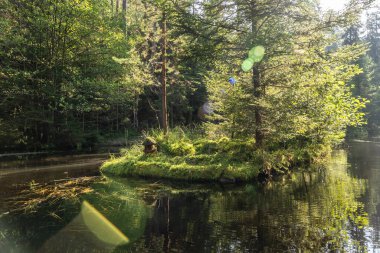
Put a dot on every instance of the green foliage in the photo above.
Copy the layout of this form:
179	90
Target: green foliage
181	148
205	146
188	156
58	81
366	84
178	158
299	89
75	72
68	68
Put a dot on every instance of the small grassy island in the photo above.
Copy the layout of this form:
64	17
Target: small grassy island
191	157
272	84
259	117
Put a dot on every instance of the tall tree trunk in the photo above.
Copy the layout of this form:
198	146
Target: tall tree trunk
125	17
163	77
135	111
257	90
97	122
117	117
117	111
171	114
117	6
83	122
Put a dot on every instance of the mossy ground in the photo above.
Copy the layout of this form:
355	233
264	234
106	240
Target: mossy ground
189	157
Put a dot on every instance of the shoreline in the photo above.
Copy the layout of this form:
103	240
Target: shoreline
203	160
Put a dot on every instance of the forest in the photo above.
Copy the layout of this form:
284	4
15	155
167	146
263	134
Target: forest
76	73
189	126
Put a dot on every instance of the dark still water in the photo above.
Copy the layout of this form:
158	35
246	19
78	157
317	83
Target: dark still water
337	209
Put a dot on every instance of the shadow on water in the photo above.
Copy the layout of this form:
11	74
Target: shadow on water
321	210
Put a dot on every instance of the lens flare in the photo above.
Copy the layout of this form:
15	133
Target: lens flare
247	65
101	227
257	53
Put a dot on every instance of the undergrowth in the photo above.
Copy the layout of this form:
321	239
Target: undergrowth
190	156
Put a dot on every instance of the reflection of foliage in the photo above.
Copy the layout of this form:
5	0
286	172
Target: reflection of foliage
48	209
39	212
121	205
309	211
364	159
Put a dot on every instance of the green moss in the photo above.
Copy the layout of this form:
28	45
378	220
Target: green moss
197	159
181	149
206	146
172	169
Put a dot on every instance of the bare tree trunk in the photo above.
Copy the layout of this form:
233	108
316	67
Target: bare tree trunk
135	111
117	6
97	122
125	17
171	114
83	121
257	90
117	117
163	77
117	111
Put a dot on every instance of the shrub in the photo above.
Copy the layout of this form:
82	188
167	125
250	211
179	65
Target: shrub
224	159
181	148
206	146
237	150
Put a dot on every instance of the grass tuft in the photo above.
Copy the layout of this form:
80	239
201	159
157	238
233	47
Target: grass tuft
188	156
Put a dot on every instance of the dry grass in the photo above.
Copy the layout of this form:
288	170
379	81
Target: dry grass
37	195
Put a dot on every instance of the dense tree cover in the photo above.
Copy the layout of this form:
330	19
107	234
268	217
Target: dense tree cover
298	91
59	83
73	71
366	84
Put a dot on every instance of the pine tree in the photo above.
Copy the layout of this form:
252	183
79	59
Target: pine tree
289	94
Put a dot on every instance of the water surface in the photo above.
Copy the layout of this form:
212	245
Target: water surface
333	209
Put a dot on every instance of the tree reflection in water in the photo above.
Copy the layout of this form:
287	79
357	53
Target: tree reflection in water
307	211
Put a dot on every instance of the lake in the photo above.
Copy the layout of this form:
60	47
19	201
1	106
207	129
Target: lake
317	210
